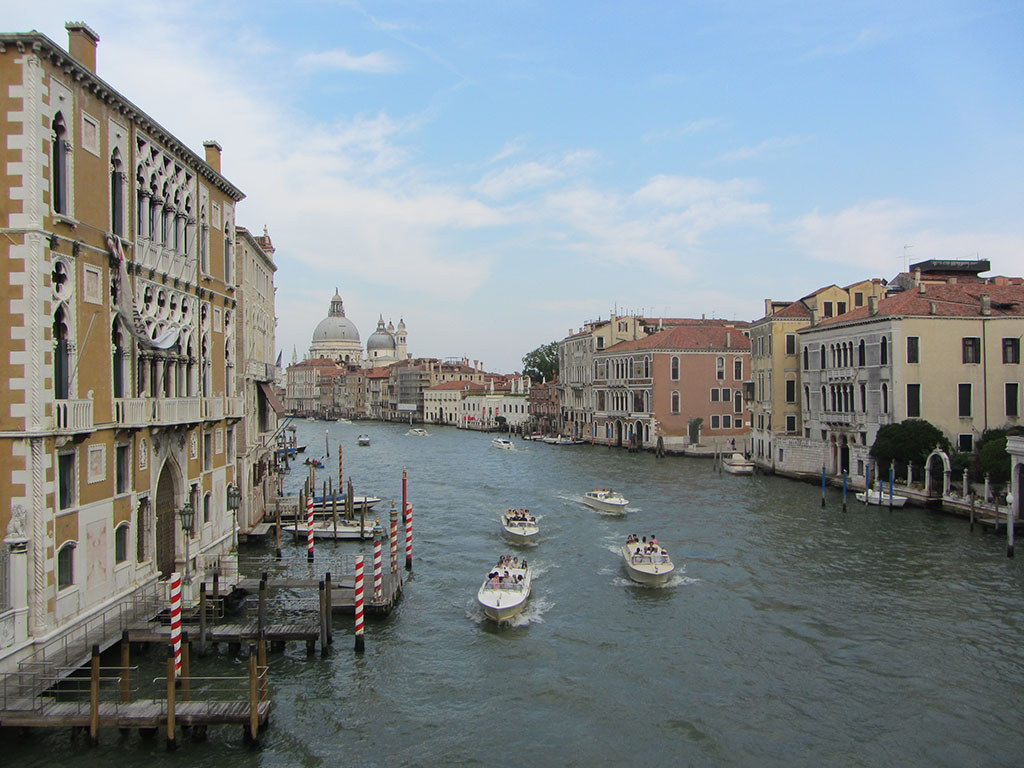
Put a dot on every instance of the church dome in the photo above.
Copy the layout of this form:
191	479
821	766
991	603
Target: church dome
336	337
380	340
336	329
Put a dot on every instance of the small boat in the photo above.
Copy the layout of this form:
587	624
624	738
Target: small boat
738	464
504	443
324	507
418	432
563	440
313	462
519	526
606	500
324	529
881	498
505	591
534	436
646	564
310	418
342	421
363	440
300	448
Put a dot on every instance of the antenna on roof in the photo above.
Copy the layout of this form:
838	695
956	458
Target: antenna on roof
905	247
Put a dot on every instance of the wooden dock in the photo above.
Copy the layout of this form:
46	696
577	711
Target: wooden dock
145	713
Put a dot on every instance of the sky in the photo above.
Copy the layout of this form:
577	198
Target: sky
498	173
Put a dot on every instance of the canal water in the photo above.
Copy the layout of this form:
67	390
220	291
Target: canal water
792	635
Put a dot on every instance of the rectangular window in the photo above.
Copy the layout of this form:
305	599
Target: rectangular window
207	450
1012	399
965	443
858	299
600	343
122	469
65	480
1011	351
913	349
827	309
841	308
727	422
726	395
913	401
737	369
790	343
790	391
760	421
791	423
714	395
971	349
964	400
715	421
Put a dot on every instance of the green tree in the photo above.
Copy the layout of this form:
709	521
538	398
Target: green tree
911	440
992	456
542	363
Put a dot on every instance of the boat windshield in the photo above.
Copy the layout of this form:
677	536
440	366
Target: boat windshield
661	557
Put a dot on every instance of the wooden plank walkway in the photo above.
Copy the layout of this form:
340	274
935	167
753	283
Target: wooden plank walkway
307	631
343	591
145	713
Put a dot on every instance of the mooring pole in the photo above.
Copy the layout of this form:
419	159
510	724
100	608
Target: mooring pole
277	532
330	608
1011	520
309	529
408	537
254	696
94	697
202	618
323	617
822	486
394	538
844	490
126	672
359	604
892	477
170	697
261	606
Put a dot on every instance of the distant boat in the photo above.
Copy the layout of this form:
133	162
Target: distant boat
504	443
342	421
738	464
881	498
505	591
363	440
606	500
519	526
313	462
534	436
418	432
653	566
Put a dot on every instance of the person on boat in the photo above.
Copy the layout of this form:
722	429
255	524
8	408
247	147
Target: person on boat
654	540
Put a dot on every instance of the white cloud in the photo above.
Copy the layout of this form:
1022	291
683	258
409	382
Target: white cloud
687	129
501	184
768	145
375	63
868	37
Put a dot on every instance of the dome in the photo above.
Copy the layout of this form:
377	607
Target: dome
380	340
336	328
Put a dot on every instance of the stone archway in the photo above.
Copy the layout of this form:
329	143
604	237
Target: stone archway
638	435
946	471
166	508
618	434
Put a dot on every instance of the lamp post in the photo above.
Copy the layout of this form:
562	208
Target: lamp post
188	520
234	502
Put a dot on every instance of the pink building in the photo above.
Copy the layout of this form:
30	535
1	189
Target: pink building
658	386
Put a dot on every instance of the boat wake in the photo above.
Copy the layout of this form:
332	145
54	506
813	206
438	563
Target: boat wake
675	580
533	613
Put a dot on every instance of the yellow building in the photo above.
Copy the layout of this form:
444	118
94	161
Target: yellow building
120	408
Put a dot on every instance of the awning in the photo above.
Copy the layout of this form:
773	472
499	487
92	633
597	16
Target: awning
268	392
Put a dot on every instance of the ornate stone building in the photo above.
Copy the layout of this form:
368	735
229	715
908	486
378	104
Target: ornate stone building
336	337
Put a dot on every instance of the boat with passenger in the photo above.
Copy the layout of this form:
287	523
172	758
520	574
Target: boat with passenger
503	443
519	526
646	561
738	464
606	500
363	440
506	589
418	432
313	462
881	498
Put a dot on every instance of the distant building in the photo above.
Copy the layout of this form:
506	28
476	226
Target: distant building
336	338
543	407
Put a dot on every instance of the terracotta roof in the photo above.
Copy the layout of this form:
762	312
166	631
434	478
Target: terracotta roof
378	373
671	322
461	384
688	337
315	362
795	310
957	300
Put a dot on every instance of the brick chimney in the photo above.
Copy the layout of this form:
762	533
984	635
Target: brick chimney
986	304
872	305
212	154
82	41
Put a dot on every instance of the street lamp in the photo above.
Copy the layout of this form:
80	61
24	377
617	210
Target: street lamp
188	520
234	502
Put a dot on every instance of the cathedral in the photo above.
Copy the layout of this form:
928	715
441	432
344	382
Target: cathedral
337	338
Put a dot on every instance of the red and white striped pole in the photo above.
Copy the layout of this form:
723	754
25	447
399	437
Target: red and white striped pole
394	538
378	568
176	621
408	537
309	528
341	476
359	603
405	493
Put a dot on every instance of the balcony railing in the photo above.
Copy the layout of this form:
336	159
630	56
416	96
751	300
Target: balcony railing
839	418
131	412
178	410
72	415
213	408
233	407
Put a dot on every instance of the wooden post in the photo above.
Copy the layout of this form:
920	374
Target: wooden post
334	514
216	587
362	517
299	509
330	608
170	698
844	490
261	607
185	670
323	618
203	605
254	696
972	511
94	697
261	663
1010	522
892	477
822	486
126	672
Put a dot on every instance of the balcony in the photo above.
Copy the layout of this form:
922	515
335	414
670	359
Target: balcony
178	410
840	374
213	408
839	418
232	407
72	415
130	412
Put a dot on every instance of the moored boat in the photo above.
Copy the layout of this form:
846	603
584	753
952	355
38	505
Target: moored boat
738	464
324	507
646	562
325	529
606	500
506	589
881	498
519	526
503	443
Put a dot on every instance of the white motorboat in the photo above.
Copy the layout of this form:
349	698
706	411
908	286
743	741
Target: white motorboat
324	529
738	464
533	436
418	432
606	500
504	443
343	421
881	498
562	440
647	564
323	506
505	591
519	526
363	440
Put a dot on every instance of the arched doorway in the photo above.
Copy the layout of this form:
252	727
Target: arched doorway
166	517
937	484
844	455
618	434
638	435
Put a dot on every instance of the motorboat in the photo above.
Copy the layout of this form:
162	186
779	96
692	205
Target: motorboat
313	462
646	563
363	440
563	440
346	530
322	506
606	500
519	526
343	421
418	432
738	464
534	436
503	442
881	498
505	591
